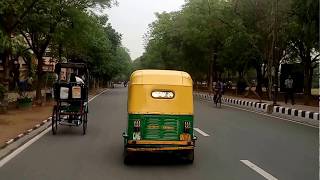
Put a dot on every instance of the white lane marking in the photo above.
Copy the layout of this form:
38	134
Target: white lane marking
201	132
258	170
31	141
97	95
20	149
290	120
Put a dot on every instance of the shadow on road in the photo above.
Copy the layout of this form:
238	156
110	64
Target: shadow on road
157	159
69	130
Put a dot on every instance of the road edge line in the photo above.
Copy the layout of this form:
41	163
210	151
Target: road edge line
21	148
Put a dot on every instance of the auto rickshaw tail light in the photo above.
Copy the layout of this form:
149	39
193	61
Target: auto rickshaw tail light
187	126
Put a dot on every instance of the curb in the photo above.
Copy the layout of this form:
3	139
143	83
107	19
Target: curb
256	106
299	115
37	126
308	117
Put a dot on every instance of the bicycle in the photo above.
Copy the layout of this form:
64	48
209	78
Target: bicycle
217	99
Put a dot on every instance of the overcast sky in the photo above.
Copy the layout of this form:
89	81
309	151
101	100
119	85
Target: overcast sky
131	19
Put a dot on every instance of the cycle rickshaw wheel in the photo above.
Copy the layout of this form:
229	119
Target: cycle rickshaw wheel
54	120
84	124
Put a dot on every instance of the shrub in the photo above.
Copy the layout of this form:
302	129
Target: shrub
241	85
2	91
24	100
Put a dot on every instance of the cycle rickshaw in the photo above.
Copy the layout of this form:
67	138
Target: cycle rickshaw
71	96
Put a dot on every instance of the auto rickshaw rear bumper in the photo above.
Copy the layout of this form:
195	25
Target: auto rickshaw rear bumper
157	146
158	149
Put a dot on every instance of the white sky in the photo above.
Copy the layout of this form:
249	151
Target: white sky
131	19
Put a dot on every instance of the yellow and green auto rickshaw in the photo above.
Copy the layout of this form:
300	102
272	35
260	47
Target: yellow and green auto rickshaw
160	114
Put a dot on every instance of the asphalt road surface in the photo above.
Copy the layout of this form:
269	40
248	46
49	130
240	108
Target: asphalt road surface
232	144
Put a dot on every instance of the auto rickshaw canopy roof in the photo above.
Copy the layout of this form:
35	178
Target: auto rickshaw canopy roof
164	77
144	82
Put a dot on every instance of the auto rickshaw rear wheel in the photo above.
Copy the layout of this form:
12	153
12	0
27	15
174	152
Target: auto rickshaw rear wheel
189	156
127	158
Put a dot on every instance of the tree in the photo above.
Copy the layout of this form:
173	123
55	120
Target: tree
42	23
303	40
12	14
92	39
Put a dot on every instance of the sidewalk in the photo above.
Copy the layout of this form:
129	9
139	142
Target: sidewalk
18	121
289	105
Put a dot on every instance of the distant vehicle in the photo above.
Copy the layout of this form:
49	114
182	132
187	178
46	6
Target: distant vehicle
71	95
160	114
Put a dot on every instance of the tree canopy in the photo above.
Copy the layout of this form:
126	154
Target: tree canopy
211	39
69	31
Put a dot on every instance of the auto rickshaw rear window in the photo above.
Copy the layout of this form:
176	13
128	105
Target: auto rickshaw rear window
158	94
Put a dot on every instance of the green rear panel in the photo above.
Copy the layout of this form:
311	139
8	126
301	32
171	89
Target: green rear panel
160	127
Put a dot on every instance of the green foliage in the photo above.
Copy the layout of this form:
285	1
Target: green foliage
24	100
234	36
70	29
90	38
2	91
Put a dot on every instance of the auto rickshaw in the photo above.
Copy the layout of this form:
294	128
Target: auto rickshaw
160	114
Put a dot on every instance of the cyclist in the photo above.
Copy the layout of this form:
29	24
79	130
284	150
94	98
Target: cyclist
218	91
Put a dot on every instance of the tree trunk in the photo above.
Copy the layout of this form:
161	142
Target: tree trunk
307	78
259	80
5	81
214	68
211	72
6	58
39	81
94	83
210	78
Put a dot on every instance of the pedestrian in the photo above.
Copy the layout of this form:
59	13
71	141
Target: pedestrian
288	83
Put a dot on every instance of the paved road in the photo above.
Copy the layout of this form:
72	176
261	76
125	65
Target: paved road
282	149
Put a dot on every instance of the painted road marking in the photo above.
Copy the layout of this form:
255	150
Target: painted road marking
97	95
258	170
284	119
20	149
201	132
31	141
